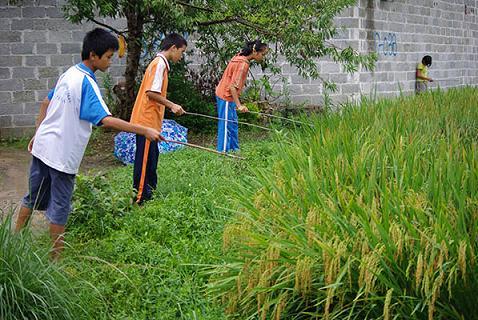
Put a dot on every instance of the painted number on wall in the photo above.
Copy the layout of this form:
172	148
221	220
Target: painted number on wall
386	43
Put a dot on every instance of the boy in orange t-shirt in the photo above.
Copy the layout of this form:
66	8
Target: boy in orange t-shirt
148	110
228	92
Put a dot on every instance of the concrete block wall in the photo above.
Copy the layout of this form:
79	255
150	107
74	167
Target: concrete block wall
401	32
36	45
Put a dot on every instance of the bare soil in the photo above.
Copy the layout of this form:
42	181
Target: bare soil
15	167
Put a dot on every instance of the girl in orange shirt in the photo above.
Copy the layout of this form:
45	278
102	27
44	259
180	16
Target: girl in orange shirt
228	92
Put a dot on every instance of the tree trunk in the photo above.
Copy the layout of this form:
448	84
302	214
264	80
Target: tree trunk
127	93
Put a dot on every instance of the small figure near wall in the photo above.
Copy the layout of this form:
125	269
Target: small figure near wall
422	78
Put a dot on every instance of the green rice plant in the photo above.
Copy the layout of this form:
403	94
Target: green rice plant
371	214
33	288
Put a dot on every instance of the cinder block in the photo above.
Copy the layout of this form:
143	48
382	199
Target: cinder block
47	2
33	12
34	36
10	12
35	61
24	120
59	37
10	108
47	48
54	12
70	48
5	97
10	61
5	122
23	72
34	84
48	72
10	36
23	96
21	48
61	60
5	73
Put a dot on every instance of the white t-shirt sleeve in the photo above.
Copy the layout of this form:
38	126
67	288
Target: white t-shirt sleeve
157	83
92	107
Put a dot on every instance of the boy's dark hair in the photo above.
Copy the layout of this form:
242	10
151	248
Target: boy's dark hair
173	39
427	60
98	41
252	46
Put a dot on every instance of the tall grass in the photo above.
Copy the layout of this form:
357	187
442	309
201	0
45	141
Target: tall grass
33	288
371	215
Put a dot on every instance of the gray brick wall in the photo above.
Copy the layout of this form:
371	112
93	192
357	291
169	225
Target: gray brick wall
401	32
37	44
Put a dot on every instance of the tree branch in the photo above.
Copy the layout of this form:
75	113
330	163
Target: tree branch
108	27
193	6
212	22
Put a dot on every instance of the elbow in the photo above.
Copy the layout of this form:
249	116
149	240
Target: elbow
106	122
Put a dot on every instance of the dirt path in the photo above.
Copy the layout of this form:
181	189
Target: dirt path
15	166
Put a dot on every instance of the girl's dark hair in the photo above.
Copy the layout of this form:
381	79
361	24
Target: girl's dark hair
173	39
427	60
252	46
99	41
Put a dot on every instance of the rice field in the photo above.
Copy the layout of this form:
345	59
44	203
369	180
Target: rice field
371	214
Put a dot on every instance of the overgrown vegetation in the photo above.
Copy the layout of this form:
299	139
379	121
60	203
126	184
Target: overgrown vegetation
33	288
371	215
147	260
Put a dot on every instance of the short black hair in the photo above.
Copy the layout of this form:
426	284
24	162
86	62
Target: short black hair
98	41
173	39
427	60
251	46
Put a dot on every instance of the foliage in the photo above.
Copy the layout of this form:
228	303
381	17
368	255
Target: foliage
147	266
33	288
183	92
97	206
372	214
300	31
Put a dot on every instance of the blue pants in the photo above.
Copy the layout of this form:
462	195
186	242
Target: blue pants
144	172
227	131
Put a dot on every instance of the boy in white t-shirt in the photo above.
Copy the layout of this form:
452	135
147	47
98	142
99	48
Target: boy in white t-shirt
64	127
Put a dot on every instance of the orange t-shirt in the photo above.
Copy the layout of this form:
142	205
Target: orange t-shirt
235	74
148	112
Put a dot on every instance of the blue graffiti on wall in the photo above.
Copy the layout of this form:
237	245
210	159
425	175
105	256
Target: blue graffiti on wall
386	44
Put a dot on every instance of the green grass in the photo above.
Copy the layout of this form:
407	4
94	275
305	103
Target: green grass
147	260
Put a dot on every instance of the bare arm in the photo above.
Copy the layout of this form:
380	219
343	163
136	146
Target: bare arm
235	96
175	108
121	125
41	116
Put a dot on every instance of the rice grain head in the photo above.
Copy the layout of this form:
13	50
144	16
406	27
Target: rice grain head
386	306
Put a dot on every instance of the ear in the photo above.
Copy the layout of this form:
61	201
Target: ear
93	55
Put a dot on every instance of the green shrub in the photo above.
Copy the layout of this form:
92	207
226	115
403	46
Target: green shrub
371	215
183	92
98	204
33	288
